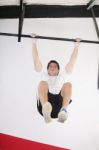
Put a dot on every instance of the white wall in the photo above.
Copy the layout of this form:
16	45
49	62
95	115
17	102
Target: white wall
18	112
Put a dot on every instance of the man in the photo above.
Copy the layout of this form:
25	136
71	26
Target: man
54	93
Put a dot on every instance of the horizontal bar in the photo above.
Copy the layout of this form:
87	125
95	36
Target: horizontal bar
66	39
14	34
48	11
48	38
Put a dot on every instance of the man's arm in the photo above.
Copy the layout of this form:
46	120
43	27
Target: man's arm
36	60
70	65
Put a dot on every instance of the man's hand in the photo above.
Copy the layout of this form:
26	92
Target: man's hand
34	40
77	43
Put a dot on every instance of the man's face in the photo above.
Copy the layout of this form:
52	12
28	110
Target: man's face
53	69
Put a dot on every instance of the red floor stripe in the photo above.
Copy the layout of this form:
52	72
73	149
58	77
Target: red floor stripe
8	142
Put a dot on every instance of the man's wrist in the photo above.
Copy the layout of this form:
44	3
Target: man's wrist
77	44
34	41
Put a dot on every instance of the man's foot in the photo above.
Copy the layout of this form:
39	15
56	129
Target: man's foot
62	116
46	110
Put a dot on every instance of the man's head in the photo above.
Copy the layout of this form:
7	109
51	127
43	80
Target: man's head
53	68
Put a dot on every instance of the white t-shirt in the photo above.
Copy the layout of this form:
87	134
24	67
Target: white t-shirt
55	83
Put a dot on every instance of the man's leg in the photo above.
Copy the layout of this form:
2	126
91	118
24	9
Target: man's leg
43	92
66	94
43	97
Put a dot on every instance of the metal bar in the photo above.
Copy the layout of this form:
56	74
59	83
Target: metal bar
95	22
48	38
21	18
15	35
91	4
97	32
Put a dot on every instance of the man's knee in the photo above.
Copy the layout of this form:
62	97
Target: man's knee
66	89
67	85
43	84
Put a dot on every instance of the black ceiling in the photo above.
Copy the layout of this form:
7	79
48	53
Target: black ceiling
48	11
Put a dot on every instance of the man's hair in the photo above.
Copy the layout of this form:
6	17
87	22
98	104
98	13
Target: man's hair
53	61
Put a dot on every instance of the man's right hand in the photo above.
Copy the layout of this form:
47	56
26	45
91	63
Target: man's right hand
34	39
77	42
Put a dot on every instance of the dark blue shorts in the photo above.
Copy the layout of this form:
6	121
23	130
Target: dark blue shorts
56	102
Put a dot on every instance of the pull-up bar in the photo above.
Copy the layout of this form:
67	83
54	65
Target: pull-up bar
48	38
